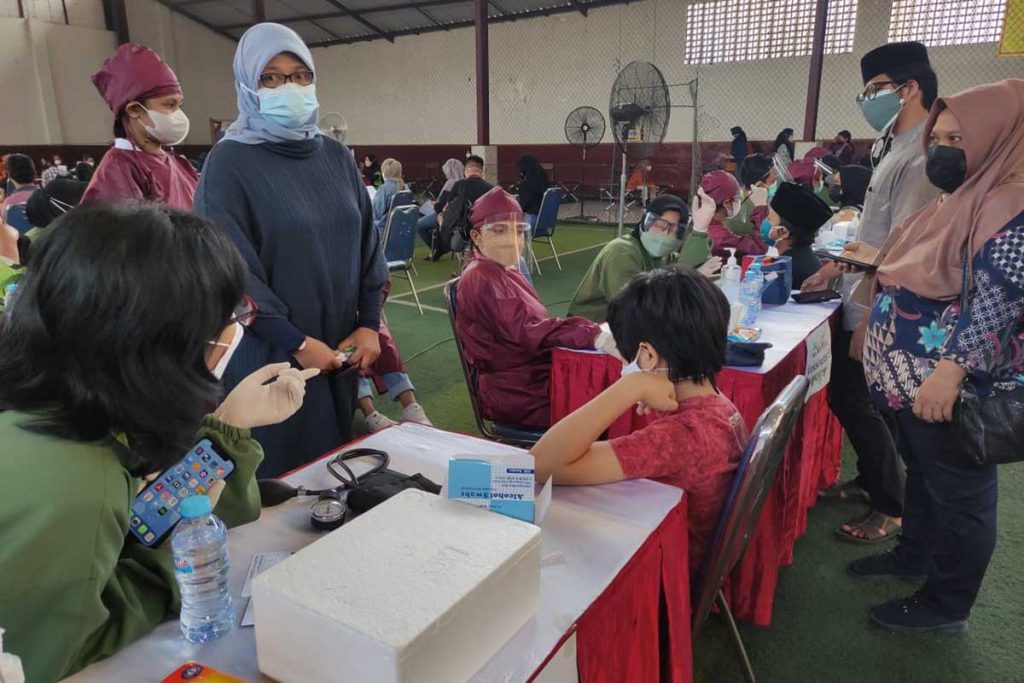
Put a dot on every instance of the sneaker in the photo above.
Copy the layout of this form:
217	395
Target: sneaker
377	421
915	614
884	566
414	413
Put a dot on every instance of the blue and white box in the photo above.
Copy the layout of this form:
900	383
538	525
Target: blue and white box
500	483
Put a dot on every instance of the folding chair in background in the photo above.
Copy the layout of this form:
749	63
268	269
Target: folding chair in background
751	484
400	244
547	219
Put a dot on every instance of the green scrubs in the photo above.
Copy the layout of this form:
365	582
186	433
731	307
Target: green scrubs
617	263
73	588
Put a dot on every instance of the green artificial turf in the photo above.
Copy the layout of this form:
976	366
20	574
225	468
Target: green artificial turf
820	630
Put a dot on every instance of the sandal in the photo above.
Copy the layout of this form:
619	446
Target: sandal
875	527
848	491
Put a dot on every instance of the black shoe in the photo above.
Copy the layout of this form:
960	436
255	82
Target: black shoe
884	566
915	615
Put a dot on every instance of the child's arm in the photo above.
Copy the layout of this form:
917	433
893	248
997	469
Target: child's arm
570	452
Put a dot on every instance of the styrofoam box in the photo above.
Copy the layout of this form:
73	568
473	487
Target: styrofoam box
420	589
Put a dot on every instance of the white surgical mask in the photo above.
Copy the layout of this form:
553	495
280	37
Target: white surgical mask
634	367
232	346
168	129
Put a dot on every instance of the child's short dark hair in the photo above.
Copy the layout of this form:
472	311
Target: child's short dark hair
679	312
474	160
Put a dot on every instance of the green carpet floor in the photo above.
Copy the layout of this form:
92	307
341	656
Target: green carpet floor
820	630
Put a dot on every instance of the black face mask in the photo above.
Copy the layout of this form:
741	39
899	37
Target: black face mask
835	193
946	167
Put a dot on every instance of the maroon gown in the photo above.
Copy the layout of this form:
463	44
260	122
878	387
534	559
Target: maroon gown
508	335
133	174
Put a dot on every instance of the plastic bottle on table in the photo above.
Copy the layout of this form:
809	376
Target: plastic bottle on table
729	282
750	294
200	548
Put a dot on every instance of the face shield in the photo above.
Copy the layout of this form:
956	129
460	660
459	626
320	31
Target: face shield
501	238
661	236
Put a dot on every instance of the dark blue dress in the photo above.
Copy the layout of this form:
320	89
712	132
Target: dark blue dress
300	215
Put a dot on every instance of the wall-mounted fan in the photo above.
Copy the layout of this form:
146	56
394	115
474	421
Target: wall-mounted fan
335	125
639	108
584	127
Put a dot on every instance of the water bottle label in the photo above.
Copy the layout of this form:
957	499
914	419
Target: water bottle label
182	566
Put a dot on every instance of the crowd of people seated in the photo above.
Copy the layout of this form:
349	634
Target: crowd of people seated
153	304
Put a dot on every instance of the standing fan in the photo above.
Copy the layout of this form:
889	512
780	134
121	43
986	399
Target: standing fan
639	107
584	127
335	124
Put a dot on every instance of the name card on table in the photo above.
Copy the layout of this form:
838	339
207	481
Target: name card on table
499	483
819	358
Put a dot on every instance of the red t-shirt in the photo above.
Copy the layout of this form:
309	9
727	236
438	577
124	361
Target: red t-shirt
695	448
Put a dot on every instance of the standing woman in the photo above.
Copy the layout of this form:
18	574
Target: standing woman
145	97
294	203
783	142
924	348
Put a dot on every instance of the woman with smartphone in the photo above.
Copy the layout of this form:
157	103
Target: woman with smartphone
109	358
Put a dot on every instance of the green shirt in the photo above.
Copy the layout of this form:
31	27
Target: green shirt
617	263
73	588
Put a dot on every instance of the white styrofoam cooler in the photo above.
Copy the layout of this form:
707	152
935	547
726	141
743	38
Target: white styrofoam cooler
420	589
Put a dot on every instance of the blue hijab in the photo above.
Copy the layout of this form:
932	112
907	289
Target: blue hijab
258	46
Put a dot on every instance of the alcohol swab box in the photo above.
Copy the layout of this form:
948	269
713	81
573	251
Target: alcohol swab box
499	483
420	589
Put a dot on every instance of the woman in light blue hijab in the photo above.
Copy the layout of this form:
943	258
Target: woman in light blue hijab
294	203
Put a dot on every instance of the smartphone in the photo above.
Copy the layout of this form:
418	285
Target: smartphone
849	260
155	511
816	297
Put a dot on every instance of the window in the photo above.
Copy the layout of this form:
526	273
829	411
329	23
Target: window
741	30
947	22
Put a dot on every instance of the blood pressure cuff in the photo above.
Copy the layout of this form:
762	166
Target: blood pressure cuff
748	354
375	488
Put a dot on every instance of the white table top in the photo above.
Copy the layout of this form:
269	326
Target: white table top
589	534
784	327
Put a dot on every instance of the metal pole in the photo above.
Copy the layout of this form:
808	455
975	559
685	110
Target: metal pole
814	78
483	76
259	11
622	194
117	19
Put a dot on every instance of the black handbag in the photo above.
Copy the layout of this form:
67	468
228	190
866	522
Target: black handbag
988	430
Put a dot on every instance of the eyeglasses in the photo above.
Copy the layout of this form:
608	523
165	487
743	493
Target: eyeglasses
276	80
662	225
244	312
875	89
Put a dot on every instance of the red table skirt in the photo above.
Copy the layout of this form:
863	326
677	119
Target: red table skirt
811	461
618	636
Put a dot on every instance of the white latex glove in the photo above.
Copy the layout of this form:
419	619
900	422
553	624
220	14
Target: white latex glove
711	266
605	342
703	212
759	195
255	404
10	665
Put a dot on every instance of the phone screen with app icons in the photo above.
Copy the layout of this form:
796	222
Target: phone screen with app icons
155	511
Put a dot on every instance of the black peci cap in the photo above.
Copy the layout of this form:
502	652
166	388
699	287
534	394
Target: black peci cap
800	207
882	59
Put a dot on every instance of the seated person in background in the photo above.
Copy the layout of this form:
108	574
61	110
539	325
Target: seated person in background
849	187
726	162
722	191
654	242
84	171
506	331
472	187
454	171
759	180
672	322
533	183
391	170
796	214
9	253
142	342
21	172
842	147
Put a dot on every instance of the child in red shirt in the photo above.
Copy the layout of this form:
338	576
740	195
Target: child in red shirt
674	323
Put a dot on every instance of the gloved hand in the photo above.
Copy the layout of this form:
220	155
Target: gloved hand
255	404
606	342
711	266
703	211
759	195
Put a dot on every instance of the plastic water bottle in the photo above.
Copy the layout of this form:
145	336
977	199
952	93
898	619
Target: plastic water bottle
750	294
729	282
200	547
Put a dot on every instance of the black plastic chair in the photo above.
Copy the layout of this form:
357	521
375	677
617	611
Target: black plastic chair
523	437
751	484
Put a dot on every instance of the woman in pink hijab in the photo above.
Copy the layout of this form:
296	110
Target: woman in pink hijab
145	97
949	321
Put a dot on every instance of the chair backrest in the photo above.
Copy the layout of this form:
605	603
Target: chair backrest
548	214
451	297
17	218
400	233
402	198
751	484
